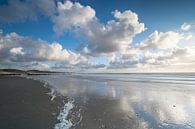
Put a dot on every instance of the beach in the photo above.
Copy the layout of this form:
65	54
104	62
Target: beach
98	101
25	104
123	101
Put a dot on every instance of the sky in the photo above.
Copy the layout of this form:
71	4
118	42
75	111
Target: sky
98	35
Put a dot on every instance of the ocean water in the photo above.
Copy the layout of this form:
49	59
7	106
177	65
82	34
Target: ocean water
123	101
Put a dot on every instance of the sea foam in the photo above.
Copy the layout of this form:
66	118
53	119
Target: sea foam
64	123
52	93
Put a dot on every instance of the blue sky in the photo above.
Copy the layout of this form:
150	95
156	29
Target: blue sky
156	14
163	16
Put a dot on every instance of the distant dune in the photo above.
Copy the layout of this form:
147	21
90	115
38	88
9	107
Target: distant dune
20	72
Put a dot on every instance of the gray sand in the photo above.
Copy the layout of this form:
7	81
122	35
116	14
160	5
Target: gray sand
98	103
24	104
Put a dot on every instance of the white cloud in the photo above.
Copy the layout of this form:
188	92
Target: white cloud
16	49
186	26
159	50
112	40
102	39
115	36
38	66
85	66
70	15
162	40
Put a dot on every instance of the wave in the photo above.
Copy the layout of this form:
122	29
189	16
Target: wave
64	123
53	92
172	78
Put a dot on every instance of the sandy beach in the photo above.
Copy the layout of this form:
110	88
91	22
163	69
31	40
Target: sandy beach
126	101
98	102
25	104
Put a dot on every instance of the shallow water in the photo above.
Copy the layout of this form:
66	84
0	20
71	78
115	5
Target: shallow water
123	101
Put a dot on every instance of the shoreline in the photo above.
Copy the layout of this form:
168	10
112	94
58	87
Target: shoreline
26	104
92	104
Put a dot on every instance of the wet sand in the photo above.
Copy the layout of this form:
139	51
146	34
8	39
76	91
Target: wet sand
101	103
96	103
25	104
105	114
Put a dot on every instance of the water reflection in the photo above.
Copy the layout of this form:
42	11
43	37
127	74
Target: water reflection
116	104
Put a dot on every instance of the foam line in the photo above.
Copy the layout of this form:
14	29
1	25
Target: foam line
64	123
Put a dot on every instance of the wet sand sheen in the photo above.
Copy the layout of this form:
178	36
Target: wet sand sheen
115	104
24	104
100	104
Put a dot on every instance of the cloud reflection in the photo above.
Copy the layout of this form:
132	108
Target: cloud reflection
139	105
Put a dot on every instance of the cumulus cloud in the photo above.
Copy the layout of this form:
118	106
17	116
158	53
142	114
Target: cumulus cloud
81	66
102	39
162	40
35	65
16	10
113	39
149	59
71	15
16	49
160	49
115	36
